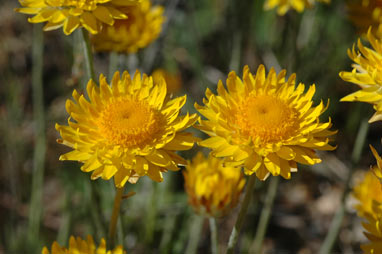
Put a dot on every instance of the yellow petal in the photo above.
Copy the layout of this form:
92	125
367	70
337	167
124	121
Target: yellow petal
108	172
71	24
272	163
89	22
155	174
103	14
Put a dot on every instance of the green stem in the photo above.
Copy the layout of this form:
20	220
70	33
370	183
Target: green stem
214	236
265	215
336	223
63	232
195	232
151	207
94	206
236	53
114	216
241	216
88	55
113	63
35	210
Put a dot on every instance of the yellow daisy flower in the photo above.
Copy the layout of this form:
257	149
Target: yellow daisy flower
264	123
366	13
367	192
128	130
367	74
173	81
72	14
129	35
212	188
80	246
283	6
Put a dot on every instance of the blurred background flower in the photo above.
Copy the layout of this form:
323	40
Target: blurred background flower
369	194
72	14
80	246
366	13
283	6
213	189
143	25
173	80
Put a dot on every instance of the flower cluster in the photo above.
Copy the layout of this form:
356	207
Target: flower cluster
132	127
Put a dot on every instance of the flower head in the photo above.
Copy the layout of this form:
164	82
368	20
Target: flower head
366	13
367	192
129	35
213	188
367	74
373	233
80	246
285	5
173	80
264	123
128	130
72	14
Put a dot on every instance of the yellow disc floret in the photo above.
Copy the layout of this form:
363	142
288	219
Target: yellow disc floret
266	118
130	123
128	130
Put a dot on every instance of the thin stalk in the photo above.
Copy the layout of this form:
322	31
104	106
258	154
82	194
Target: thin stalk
113	63
94	206
241	216
88	55
214	236
195	232
35	209
265	215
336	223
63	232
151	207
114	216
236	53
120	232
169	226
